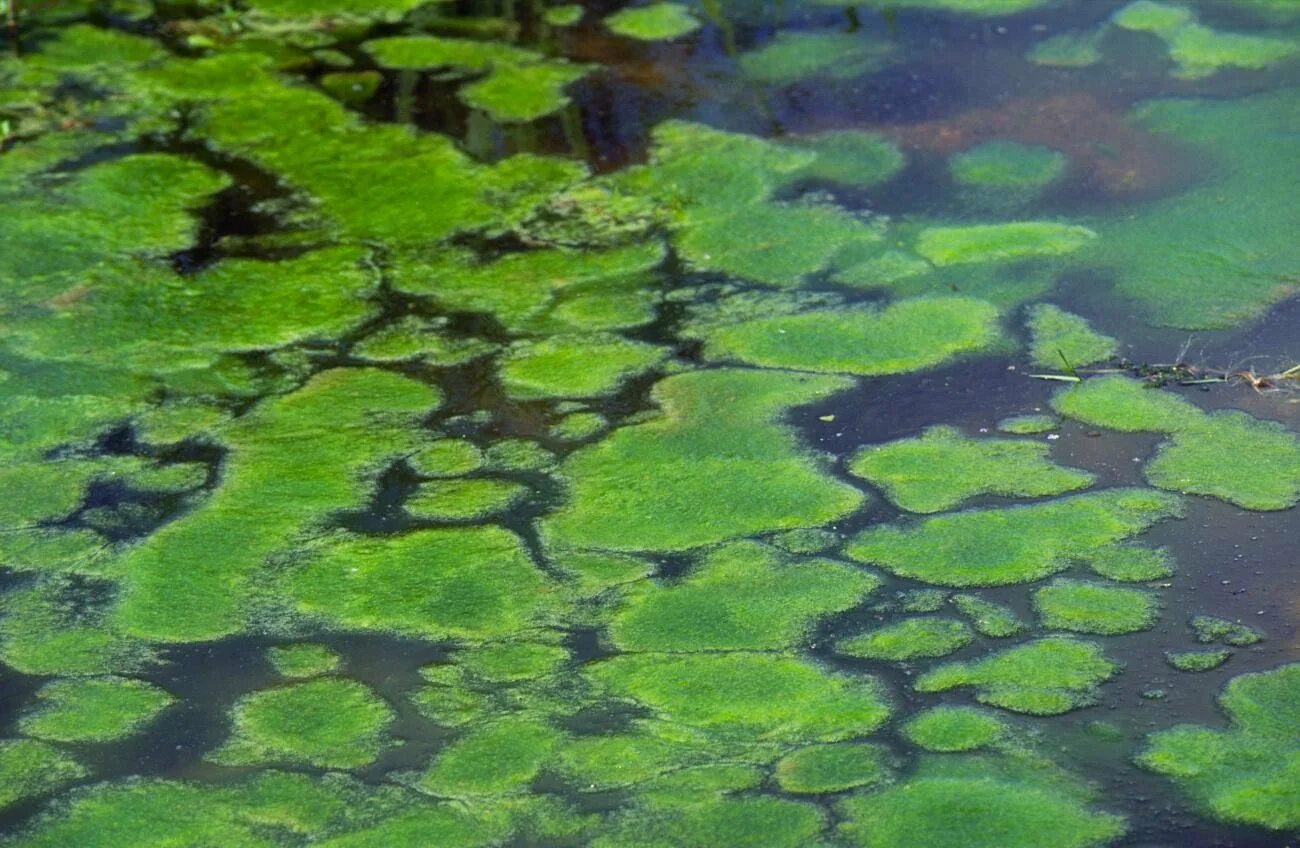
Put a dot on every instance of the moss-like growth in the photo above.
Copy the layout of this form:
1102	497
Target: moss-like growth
1208	629
29	768
709	822
805	541
1198	50
988	618
909	639
1043	677
653	486
519	455
941	468
1060	338
491	760
1197	661
1131	563
918	600
329	723
413	338
469	583
465	500
1148	16
96	709
742	596
981	8
794	56
778	698
1246	774
848	157
510	662
514	94
655	22
832	768
302	660
1084	607
575	366
595	572
909	335
1028	425
650	749
461	55
994	547
446	458
950	729
578	426
1000	242
1007	165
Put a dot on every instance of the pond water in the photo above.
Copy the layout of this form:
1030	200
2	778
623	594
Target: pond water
806	423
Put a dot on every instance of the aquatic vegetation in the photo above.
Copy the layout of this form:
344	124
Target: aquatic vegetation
908	335
1196	661
1068	50
653	486
833	768
849	157
1006	174
805	541
512	661
29	768
908	639
491	760
1209	629
446	458
994	547
329	722
949	729
983	8
792	57
1082	606
464	500
1131	563
1062	338
93	709
518	94
658	21
1027	425
769	696
1198	50
1000	242
574	366
413	338
744	822
987	617
55	627
352	87
1246	773
577	426
566	15
742	596
302	660
519	455
1043	677
939	469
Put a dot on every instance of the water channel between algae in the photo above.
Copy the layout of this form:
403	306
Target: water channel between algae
702	423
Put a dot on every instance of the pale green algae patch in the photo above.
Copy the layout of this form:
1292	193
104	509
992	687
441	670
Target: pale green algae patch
995	547
653	486
93	709
302	660
1007	165
908	639
833	768
1197	661
491	760
330	723
939	469
465	500
849	157
29	768
1264	471
1060	338
909	335
988	618
1131	563
1082	606
795	56
691	822
1000	242
949	729
1198	50
655	22
979	802
1043	677
1209	629
574	366
1250	772
742	596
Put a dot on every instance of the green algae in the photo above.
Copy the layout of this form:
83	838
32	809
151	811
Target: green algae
352	87
579	426
513	661
93	709
909	335
653	486
518	94
918	600
1028	425
302	660
29	768
1062	338
908	639
742	596
446	458
769	696
566	15
499	758
993	547
1000	242
796	56
49	628
1007	165
805	541
382	10
648	750
574	366
655	22
464	500
329	722
941	468
1081	606
982	8
1044	677
413	338
461	55
519	455
741	822
1068	50
949	729
1209	629
1197	50
1131	563
1197	661
470	583
988	618
849	157
1247	773
832	768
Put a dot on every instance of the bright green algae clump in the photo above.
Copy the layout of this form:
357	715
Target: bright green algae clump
464	500
655	22
95	709
1196	661
1060	338
1249	773
654	486
1007	165
849	157
29	768
1264	471
832	768
950	729
1131	563
1198	50
491	760
1209	629
987	617
576	366
1085	607
994	547
941	468
911	638
998	242
302	660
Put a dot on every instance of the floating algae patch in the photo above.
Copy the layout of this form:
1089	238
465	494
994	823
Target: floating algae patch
655	22
939	469
908	639
491	760
995	547
29	768
988	618
1082	606
50	628
93	709
577	426
378	10
653	486
518	94
1131	563
773	697
446	458
742	596
793	57
574	366
1007	165
1061	338
1028	425
1000	242
979	802
1208	629
833	767
1068	50
909	335
414	338
464	500
1198	50
849	157
949	729
650	749
469	583
1264	473
1197	661
511	662
302	660
292	461
329	723
744	822
1250	772
1043	677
